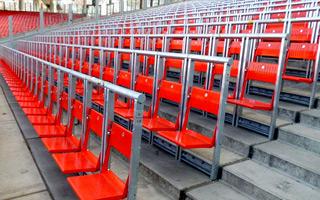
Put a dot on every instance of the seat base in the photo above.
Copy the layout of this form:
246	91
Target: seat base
297	79
76	162
50	130
128	113
25	98
35	111
41	119
61	144
187	139
158	124
34	104
105	185
252	104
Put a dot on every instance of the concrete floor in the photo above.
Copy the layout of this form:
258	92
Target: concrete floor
19	176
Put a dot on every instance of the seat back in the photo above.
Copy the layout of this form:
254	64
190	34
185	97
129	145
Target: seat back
108	74
218	69
270	49
144	84
173	62
235	48
124	79
204	100
95	120
305	51
64	101
262	72
94	124
76	112
119	139
170	91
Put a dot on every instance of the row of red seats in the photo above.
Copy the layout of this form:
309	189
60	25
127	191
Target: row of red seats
71	154
27	21
207	14
168	90
297	50
298	11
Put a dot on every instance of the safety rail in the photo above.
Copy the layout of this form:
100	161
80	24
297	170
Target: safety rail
188	68
186	84
22	64
307	35
241	18
245	55
220	12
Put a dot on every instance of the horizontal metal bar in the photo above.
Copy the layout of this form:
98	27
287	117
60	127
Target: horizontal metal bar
223	35
215	59
115	88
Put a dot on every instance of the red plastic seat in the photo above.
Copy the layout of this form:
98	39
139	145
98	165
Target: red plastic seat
143	84
69	142
84	160
199	99
57	129
168	90
256	71
218	70
298	34
61	144
48	119
301	51
270	49
106	184
35	111
33	104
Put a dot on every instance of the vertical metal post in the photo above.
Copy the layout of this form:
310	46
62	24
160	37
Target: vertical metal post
36	78
10	21
220	121
90	61
50	83
41	20
102	63
86	101
97	10
187	81
71	95
315	79
121	6
278	86
157	76
43	79
70	15
135	149
108	113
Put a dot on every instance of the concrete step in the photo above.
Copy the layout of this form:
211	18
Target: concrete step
287	111
290	159
217	190
311	118
297	93
261	182
302	136
259	121
174	177
167	173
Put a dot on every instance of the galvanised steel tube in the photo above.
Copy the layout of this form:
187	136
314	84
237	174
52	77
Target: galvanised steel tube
115	88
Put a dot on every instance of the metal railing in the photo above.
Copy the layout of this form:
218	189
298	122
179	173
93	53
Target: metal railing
188	68
246	55
27	67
